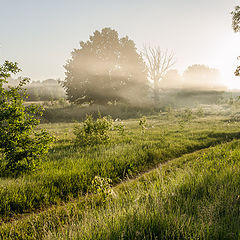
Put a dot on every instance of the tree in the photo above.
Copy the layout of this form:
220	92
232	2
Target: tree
158	63
21	148
236	19
172	79
105	68
201	77
236	28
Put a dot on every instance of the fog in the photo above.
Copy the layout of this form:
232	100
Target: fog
196	77
197	80
109	69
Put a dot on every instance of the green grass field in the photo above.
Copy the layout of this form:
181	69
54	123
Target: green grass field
179	179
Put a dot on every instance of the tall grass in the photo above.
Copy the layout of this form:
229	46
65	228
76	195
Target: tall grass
73	113
69	170
196	196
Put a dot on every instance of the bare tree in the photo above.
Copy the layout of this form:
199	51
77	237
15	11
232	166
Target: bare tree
158	63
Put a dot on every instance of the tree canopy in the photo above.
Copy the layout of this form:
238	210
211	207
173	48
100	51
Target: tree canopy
236	19
236	28
105	68
202	77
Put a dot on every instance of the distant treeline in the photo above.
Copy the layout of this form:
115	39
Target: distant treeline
51	89
168	99
190	97
46	90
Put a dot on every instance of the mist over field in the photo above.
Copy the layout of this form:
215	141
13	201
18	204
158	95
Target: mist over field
119	120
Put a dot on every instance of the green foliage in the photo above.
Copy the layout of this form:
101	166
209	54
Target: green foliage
105	69
120	127
186	116
236	28
142	123
93	132
192	197
69	170
73	112
21	147
102	187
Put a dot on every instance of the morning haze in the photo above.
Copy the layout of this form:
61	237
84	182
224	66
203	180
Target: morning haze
128	127
40	35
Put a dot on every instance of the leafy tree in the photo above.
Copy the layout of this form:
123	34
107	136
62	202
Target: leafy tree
21	148
236	28
236	19
105	68
201	76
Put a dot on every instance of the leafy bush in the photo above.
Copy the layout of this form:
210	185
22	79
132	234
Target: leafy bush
102	187
21	148
142	123
120	127
93	132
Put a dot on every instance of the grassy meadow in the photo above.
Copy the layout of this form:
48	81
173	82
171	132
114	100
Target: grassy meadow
176	178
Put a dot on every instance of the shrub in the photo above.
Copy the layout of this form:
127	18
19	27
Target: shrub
120	127
102	187
21	148
142	123
93	132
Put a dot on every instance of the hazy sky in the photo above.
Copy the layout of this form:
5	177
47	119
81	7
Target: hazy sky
40	34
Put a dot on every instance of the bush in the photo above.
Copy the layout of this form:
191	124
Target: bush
102	187
93	132
142	123
120	127
21	148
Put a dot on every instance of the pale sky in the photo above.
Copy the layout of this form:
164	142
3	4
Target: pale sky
40	34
